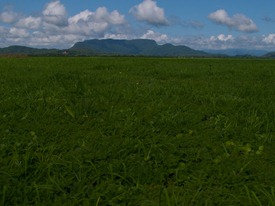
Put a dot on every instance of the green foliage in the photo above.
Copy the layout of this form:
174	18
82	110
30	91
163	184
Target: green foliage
136	131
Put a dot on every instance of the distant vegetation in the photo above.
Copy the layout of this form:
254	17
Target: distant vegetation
137	131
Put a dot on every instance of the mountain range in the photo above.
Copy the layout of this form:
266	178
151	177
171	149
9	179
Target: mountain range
135	47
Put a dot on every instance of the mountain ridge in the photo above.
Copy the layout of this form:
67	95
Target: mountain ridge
108	47
134	47
24	50
270	55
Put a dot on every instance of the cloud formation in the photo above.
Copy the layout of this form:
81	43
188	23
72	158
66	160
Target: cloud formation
88	22
269	39
221	41
227	41
8	16
158	37
237	22
149	12
30	22
53	27
55	13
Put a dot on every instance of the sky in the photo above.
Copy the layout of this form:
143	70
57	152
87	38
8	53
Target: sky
199	24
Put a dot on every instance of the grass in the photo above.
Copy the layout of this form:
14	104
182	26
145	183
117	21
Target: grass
137	131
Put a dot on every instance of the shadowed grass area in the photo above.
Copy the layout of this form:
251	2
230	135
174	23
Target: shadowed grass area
137	131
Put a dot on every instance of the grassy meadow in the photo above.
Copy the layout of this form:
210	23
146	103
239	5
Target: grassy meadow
137	131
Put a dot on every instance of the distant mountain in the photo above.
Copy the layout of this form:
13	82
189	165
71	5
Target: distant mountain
136	47
270	55
237	52
22	50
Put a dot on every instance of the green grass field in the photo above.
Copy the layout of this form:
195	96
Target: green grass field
137	131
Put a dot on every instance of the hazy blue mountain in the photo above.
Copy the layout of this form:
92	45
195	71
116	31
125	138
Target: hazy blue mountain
136	47
237	52
270	55
22	50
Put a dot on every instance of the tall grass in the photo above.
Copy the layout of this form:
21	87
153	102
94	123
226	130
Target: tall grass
137	131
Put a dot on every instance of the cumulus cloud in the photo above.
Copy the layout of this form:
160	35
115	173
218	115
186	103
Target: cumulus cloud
55	13
269	39
223	38
88	22
39	39
113	17
221	41
237	22
118	36
54	28
8	16
149	12
30	22
100	15
158	37
19	33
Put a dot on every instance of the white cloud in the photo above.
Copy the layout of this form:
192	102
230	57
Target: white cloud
8	16
55	13
229	41
117	36
149	34
39	39
82	16
237	22
18	33
149	12
225	38
30	22
53	28
115	18
220	41
158	37
100	15
270	39
89	23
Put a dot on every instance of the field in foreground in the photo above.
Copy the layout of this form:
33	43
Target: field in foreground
137	131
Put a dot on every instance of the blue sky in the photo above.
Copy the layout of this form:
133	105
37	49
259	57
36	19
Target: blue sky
200	24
